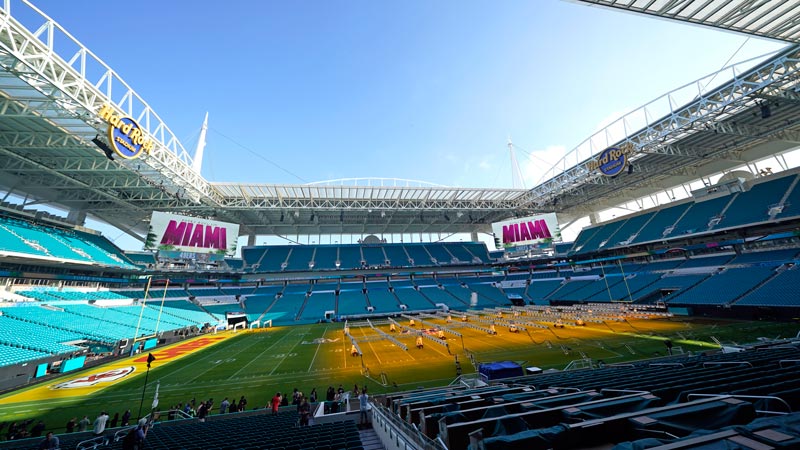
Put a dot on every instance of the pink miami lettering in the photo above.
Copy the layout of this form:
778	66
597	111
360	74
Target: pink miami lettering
526	231
190	235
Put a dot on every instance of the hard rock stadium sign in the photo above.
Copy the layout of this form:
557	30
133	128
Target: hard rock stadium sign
612	161
125	135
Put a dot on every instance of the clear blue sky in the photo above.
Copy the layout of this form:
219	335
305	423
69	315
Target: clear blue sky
415	89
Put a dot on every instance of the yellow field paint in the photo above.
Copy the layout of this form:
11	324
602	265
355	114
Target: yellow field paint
98	378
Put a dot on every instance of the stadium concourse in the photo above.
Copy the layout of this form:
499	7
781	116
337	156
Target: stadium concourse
674	326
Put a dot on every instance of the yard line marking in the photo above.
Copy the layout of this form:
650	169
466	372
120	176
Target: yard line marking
252	360
286	355
318	346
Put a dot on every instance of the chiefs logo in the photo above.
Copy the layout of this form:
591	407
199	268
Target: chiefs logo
91	380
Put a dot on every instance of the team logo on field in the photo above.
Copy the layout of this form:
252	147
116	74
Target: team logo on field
91	380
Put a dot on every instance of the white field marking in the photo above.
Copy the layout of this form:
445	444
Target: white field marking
259	355
286	355
182	368
318	346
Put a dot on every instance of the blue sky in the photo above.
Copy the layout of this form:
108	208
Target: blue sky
303	91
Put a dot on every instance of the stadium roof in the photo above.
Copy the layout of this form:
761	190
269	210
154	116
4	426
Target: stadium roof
692	132
52	88
772	19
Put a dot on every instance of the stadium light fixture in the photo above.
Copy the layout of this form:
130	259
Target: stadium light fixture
765	111
104	147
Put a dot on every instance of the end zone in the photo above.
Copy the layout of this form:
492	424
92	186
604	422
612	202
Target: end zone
98	378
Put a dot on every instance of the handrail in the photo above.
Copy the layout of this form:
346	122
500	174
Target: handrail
92	443
667	364
404	436
757	397
727	363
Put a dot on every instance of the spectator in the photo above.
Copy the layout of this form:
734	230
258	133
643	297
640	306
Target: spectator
84	423
202	412
242	403
331	394
100	423
312	397
50	442
134	440
126	417
305	412
223	407
37	429
71	425
364	407
114	421
233	407
276	403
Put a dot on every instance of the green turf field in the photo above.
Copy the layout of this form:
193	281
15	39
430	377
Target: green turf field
257	364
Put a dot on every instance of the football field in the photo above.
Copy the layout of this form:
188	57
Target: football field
258	363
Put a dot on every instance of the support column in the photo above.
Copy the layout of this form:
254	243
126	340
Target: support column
251	240
473	236
78	217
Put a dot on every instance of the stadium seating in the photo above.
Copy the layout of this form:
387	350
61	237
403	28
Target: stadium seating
317	304
374	255
23	237
413	299
238	431
299	257
351	300
618	405
296	258
326	256
724	287
381	299
779	291
664	218
396	255
350	257
142	260
699	216
753	206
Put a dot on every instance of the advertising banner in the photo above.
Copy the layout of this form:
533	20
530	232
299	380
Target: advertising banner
192	234
527	230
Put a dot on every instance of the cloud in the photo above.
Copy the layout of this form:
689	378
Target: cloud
537	163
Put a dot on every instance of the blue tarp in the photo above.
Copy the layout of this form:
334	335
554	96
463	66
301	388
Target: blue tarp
499	370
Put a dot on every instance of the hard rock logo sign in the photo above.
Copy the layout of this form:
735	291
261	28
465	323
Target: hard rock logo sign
91	380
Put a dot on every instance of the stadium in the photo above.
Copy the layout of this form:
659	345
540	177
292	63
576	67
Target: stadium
673	325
